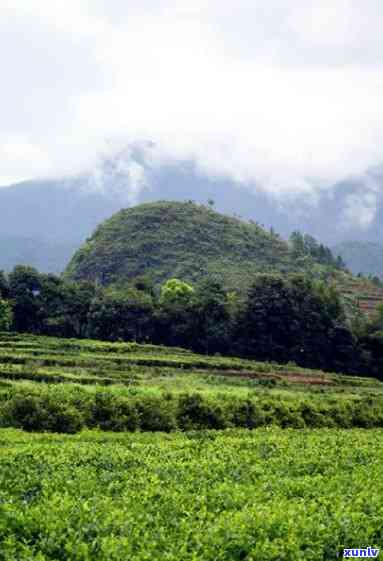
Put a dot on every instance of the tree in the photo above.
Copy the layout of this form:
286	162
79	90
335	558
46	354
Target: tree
66	306
4	286
175	319
213	324
5	315
121	314
290	319
175	292
24	291
297	243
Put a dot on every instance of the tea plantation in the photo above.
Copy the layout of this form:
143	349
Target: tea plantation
269	494
161	465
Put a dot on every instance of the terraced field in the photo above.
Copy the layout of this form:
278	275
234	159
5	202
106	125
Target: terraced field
150	368
119	385
160	486
359	294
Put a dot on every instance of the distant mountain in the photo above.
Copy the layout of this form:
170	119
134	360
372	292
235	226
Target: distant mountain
171	239
43	222
44	256
62	213
362	257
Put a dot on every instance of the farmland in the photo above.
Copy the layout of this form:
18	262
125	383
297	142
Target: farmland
65	385
269	494
161	464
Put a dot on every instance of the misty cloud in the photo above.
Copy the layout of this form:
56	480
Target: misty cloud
283	95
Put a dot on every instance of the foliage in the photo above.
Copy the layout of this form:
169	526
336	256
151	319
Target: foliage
39	413
175	292
184	240
307	246
5	315
121	314
65	384
293	319
281	317
265	495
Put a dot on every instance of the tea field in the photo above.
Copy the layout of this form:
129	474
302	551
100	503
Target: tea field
161	465
63	385
263	495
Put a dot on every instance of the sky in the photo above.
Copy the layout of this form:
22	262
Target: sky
282	94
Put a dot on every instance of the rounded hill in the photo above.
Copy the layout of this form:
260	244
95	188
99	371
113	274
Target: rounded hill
174	239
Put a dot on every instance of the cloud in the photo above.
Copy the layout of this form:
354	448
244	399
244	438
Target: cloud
361	206
282	95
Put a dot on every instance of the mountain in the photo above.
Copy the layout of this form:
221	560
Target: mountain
41	254
42	222
173	239
62	213
362	257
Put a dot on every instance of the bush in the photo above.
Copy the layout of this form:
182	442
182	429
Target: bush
194	413
279	413
33	413
109	412
156	414
313	417
247	414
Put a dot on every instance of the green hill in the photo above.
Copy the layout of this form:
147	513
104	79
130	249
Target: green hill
185	240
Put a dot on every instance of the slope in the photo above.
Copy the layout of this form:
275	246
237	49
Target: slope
185	240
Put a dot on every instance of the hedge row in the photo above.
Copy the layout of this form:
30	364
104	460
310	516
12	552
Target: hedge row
47	412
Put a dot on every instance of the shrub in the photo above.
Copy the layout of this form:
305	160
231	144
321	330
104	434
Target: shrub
193	413
314	418
109	412
33	413
155	414
247	414
280	414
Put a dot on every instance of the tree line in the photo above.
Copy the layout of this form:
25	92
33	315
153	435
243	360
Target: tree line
280	318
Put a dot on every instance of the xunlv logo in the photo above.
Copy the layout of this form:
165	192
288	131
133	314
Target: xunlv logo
368	552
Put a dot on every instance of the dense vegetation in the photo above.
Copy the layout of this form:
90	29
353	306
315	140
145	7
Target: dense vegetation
65	385
283	318
188	241
266	495
205	486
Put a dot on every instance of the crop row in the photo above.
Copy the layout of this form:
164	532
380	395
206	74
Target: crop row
266	495
62	410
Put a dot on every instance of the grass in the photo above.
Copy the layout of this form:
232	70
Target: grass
45	360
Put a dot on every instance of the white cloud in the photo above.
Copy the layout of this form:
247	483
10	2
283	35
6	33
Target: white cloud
362	205
285	94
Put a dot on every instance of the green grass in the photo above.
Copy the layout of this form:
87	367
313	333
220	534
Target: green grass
202	496
44	360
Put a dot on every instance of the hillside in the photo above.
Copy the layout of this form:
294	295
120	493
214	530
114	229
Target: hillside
359	293
65	211
185	240
362	257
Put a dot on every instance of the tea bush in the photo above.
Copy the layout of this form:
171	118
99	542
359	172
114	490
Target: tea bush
263	495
